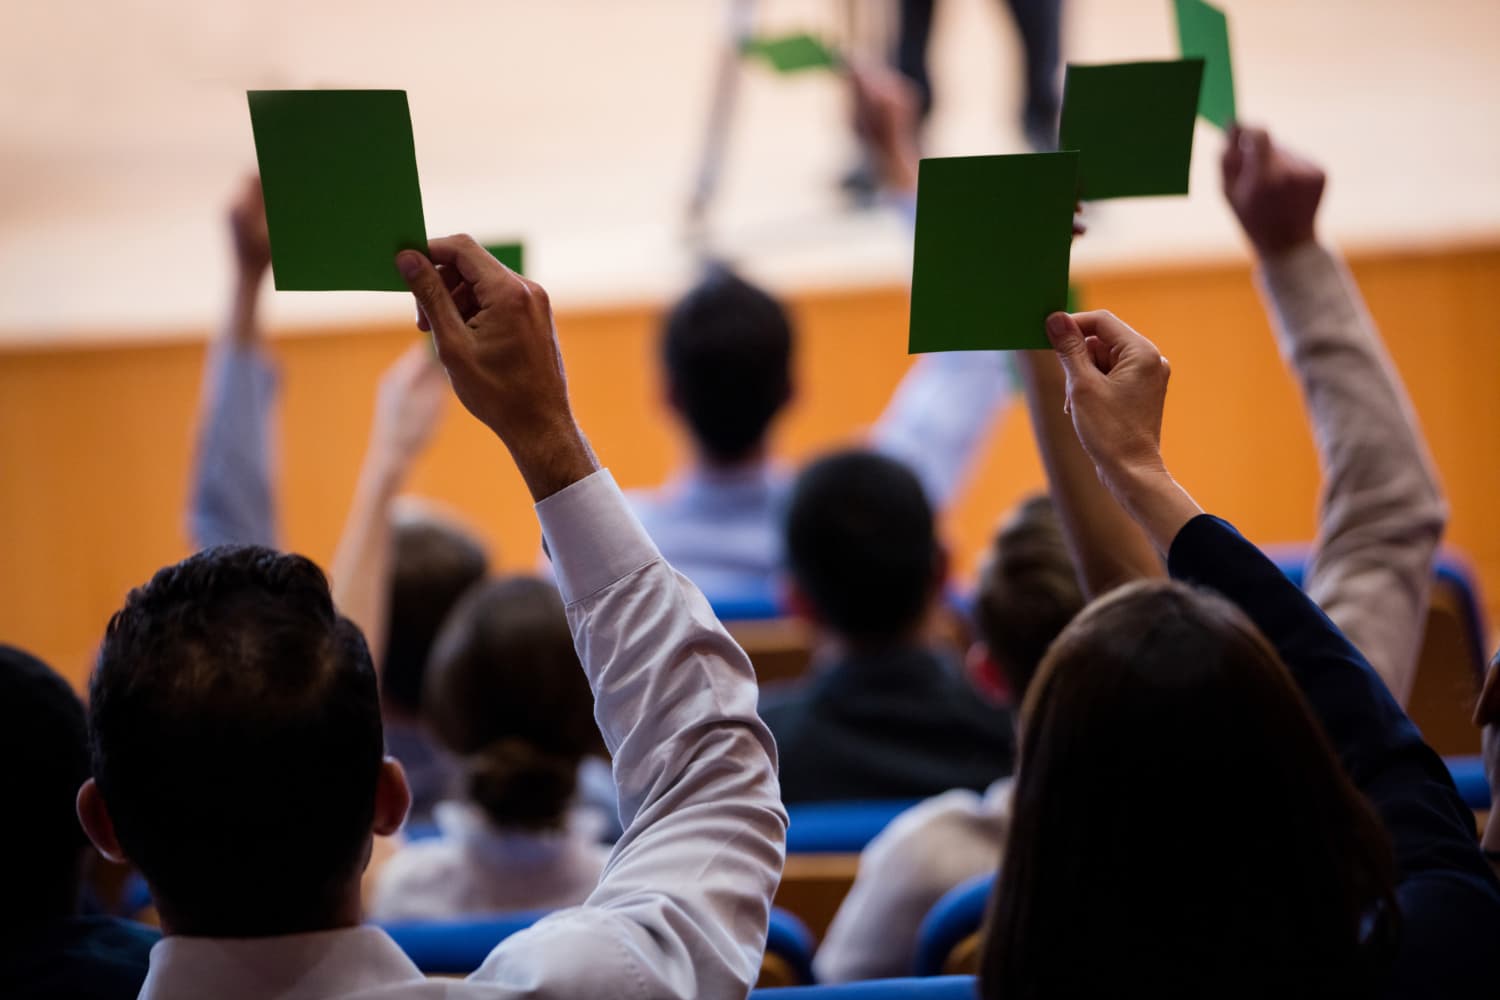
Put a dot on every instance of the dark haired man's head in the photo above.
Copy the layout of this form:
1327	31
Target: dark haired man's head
862	547
44	743
1028	592
433	564
727	348
506	693
234	724
1164	712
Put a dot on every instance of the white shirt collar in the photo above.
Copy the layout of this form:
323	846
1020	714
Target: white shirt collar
292	967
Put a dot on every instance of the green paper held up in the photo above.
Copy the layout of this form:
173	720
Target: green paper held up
339	171
1132	124
794	53
1203	32
512	255
990	262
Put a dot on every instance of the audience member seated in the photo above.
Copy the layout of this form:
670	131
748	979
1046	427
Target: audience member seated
1194	724
506	695
883	715
237	745
399	569
48	949
727	350
1028	590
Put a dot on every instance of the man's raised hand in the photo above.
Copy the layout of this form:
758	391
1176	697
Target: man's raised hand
1274	192
494	334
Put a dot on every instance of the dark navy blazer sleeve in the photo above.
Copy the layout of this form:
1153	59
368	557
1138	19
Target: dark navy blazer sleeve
1450	899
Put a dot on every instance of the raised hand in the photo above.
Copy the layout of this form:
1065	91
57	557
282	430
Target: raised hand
885	117
409	406
494	334
247	229
1274	192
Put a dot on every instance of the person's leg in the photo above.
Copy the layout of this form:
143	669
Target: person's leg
913	32
1040	25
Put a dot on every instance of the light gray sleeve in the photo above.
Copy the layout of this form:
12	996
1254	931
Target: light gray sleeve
1382	508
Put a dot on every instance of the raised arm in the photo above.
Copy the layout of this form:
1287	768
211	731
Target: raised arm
408	408
682	907
1116	388
232	497
1382	510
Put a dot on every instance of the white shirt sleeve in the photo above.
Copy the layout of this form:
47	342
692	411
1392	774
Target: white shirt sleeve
682	906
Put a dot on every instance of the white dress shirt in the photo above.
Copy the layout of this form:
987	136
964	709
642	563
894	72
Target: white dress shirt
473	867
681	908
924	852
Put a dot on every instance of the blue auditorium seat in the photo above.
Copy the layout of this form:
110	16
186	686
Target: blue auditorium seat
746	607
455	947
954	917
934	988
839	827
1468	775
458	947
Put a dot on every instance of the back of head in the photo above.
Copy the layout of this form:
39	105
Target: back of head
44	744
433	564
727	348
862	546
1180	818
235	728
505	691
1028	591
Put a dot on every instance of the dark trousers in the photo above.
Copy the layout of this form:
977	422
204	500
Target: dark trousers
1040	25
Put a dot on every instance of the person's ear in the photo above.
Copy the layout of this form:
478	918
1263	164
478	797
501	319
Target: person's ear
670	396
93	816
985	674
392	798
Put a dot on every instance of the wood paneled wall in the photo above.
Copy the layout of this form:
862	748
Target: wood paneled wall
95	442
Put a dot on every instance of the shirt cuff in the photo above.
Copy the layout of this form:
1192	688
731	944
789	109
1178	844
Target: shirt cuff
593	537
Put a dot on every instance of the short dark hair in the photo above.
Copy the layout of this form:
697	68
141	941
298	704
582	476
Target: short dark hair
432	565
861	544
1028	591
727	348
505	692
1165	709
44	747
234	722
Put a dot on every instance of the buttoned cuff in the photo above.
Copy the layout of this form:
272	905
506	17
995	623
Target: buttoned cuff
593	537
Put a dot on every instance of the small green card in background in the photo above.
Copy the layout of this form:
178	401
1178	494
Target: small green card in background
1132	124
793	53
990	261
512	255
1203	31
339	171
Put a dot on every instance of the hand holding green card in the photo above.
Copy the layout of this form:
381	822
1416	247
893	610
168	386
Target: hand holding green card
1132	124
339	172
794	53
994	234
1203	32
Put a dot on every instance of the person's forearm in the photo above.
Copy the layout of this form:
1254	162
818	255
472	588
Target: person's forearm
361	569
1382	510
242	327
552	460
1108	547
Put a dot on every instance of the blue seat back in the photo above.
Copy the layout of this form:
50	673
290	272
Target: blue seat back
935	988
839	827
789	939
954	917
1468	775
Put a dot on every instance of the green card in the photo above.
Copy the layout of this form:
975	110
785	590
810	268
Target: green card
1132	124
793	53
1203	31
512	255
339	173
991	256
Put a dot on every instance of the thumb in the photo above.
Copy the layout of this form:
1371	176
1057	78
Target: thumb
427	287
1066	338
